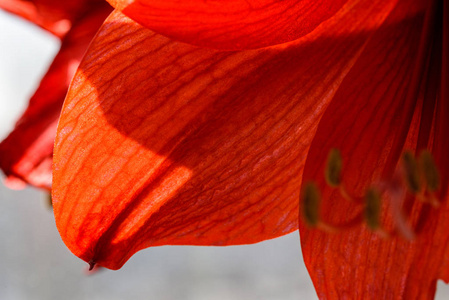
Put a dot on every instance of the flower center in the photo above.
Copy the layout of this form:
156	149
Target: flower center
417	176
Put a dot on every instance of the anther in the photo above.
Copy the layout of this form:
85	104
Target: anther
334	165
372	209
411	170
429	170
311	204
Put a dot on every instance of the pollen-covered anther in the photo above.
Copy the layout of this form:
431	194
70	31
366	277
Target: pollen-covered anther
311	208
372	212
411	172
311	204
421	176
332	173
430	177
429	170
334	164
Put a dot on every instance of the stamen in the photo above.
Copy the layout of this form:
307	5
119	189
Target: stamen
372	209
429	170
311	204
421	178
411	170
311	211
334	165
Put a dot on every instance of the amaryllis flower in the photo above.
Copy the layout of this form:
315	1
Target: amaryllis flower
26	154
199	122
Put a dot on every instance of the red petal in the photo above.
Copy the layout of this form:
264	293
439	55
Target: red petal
165	143
375	114
56	16
26	153
230	24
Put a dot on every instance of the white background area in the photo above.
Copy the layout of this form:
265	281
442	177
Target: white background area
35	264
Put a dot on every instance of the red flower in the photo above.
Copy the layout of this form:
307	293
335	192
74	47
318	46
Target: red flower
161	142
26	154
203	133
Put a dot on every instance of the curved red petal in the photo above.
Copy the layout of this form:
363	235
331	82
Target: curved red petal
377	112
161	142
26	154
230	24
53	15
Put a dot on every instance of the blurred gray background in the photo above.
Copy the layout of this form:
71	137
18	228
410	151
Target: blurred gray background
35	264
